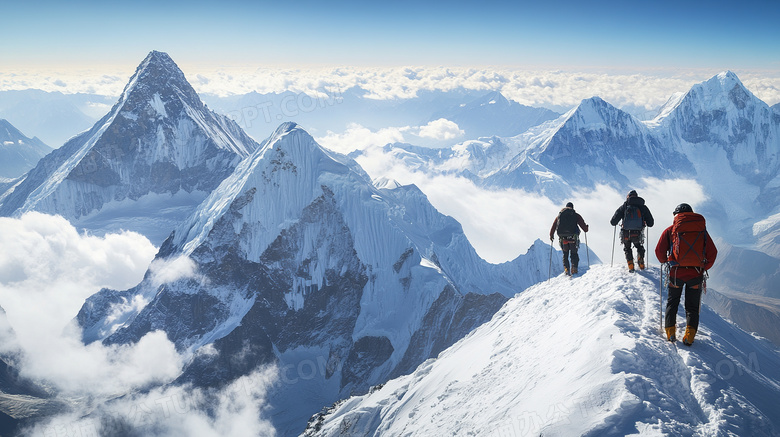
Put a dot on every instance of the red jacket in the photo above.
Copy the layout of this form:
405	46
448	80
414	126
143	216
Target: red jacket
684	273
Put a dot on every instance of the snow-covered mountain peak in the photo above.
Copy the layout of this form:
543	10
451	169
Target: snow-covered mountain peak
290	161
493	98
580	356
722	91
289	138
159	143
723	95
593	110
386	183
156	82
594	113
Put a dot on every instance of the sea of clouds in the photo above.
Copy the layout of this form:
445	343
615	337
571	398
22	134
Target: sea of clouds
558	90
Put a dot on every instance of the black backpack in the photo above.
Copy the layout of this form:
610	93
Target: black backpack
567	222
632	218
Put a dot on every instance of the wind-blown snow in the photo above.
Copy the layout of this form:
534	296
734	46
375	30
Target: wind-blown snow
579	356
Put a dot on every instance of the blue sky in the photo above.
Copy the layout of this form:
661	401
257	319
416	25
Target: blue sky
627	35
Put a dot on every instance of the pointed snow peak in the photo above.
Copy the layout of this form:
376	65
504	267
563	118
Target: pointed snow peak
727	77
281	139
722	92
156	80
594	102
719	92
294	143
384	183
159	57
160	61
721	82
493	98
7	129
593	110
286	128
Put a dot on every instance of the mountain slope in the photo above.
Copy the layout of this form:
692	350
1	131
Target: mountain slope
300	259
18	154
759	314
143	166
598	367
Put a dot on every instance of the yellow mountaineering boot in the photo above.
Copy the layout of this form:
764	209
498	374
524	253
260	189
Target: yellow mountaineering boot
670	333
631	266
688	337
641	262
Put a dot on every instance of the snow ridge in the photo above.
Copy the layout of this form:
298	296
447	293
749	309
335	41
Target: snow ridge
606	371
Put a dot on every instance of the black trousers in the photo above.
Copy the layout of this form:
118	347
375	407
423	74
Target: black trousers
692	301
637	238
569	248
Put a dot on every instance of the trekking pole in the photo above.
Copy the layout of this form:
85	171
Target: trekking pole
661	283
614	231
661	298
549	266
647	245
587	250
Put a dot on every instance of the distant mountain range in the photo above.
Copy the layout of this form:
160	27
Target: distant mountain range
53	117
18	153
717	133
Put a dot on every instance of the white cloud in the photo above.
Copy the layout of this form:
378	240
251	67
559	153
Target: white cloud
559	89
170	270
441	130
357	137
47	270
235	410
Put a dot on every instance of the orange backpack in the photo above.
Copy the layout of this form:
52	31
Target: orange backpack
689	240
